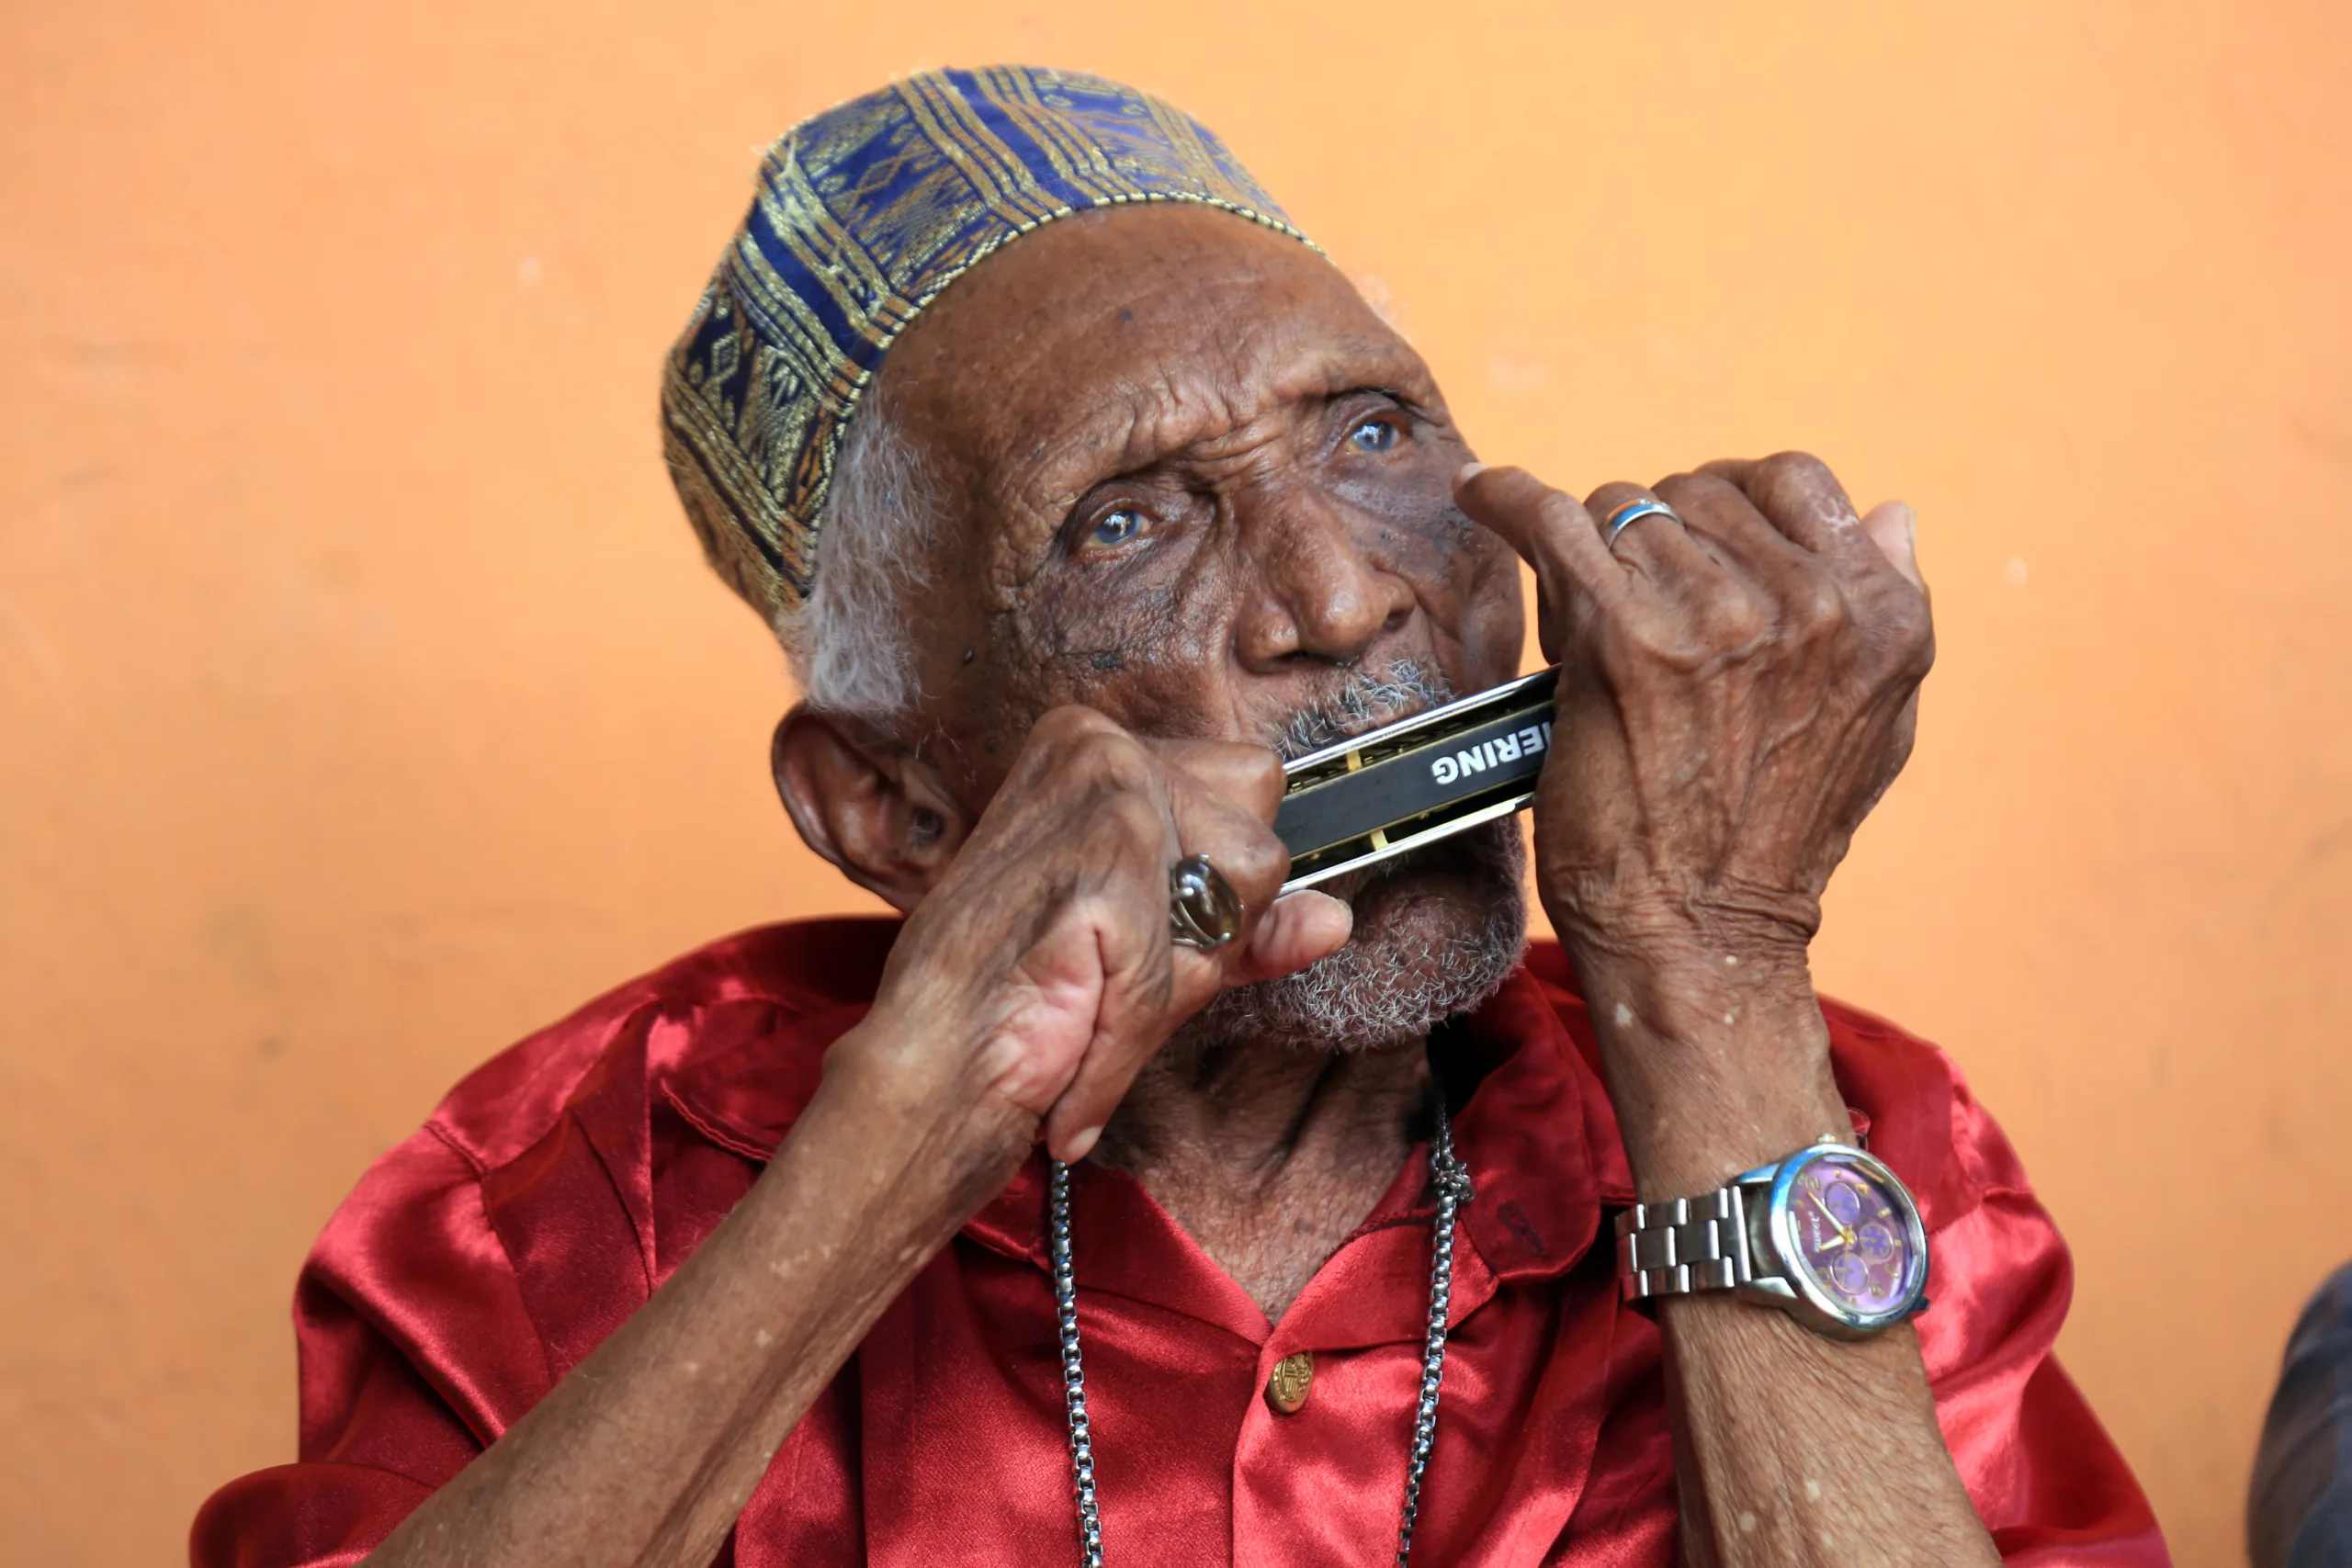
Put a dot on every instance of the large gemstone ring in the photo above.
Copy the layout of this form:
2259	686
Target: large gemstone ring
1204	911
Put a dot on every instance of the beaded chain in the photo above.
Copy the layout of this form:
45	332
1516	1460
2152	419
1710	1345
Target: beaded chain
1453	1182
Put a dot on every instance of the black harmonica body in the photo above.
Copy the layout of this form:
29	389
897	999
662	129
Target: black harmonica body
1415	782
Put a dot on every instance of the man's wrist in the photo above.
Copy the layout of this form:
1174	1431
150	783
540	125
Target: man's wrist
921	1134
1691	997
1717	1063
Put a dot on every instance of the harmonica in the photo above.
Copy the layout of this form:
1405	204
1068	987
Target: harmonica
1418	781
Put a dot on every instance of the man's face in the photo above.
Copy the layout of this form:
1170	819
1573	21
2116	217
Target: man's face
1197	484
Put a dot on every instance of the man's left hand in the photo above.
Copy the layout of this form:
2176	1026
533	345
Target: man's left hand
1732	700
1734	697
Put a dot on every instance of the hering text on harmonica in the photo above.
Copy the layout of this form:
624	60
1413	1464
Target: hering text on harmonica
1415	782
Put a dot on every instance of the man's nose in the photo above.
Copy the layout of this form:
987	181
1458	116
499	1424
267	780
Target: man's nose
1314	592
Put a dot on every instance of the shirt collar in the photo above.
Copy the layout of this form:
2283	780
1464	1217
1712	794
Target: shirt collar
1536	1131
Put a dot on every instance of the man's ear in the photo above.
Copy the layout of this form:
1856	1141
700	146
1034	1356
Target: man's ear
873	808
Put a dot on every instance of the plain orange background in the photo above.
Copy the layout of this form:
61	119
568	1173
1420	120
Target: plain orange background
364	702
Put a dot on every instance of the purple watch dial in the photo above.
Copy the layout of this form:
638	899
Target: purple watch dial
1851	1238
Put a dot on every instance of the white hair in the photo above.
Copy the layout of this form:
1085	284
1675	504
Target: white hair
850	642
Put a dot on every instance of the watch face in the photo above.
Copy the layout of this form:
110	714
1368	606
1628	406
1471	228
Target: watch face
1853	1234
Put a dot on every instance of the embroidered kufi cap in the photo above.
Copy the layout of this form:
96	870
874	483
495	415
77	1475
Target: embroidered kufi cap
862	216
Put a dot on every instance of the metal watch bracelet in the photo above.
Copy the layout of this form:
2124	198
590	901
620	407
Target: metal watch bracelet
1684	1245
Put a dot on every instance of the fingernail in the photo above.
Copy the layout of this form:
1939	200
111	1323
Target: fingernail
1467	472
1306	899
1082	1144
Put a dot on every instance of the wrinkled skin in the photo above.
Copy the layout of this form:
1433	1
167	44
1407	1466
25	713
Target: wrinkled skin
1272	548
1196	487
1195	482
1740	694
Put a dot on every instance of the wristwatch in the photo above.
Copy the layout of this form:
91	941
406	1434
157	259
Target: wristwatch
1829	1235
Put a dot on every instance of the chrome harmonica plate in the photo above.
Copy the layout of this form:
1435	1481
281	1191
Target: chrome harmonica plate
1418	781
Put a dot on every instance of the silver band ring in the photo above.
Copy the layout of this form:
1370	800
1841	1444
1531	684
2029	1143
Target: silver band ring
1204	911
1634	512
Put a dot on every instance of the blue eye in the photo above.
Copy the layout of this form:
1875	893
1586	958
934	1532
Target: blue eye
1117	527
1375	435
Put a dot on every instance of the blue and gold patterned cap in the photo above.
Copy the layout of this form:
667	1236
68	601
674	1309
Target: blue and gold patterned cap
864	214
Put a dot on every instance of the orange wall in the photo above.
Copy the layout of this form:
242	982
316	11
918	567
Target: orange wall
363	702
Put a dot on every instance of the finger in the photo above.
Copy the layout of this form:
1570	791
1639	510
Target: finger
1744	540
1655	545
1735	532
1237	842
1798	494
1894	527
1250	776
1549	528
1147	981
1187	818
1132	1021
1301	928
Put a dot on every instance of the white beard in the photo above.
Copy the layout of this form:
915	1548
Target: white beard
1413	961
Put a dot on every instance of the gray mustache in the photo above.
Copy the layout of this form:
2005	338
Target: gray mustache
1361	702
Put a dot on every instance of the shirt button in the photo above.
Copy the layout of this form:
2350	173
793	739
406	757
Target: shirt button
1294	1375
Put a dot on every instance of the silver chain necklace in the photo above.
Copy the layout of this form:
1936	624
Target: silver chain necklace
1453	1181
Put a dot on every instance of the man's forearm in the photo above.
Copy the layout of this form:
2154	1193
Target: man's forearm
648	1450
1790	1448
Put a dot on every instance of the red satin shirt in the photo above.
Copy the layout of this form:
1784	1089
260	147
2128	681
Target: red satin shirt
547	1197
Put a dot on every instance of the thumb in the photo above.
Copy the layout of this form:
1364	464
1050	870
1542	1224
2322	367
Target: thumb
1300	929
1894	527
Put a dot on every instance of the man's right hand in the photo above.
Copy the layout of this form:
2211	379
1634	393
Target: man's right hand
1031	983
1037	978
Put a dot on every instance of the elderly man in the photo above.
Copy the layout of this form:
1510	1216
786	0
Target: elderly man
1081	492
